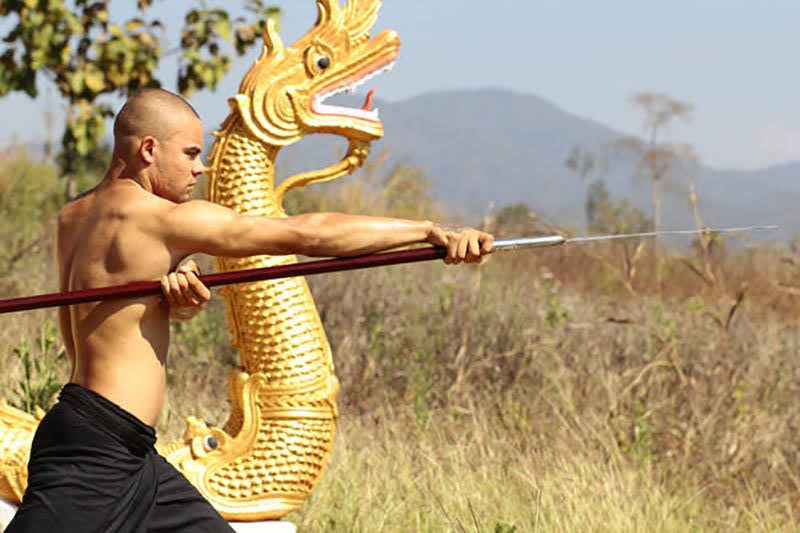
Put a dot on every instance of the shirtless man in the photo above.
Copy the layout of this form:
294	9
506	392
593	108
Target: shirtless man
93	466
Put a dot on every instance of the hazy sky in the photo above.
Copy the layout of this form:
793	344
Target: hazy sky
737	61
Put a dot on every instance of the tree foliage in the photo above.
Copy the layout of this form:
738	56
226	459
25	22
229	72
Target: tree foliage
408	192
606	215
87	54
587	165
516	220
657	159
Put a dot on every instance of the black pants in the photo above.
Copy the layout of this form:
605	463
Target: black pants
93	468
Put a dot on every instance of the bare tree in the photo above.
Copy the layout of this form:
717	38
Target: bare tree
658	159
586	164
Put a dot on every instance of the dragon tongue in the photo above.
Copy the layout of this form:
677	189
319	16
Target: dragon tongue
368	102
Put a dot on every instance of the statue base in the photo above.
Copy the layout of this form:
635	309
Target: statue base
7	512
274	526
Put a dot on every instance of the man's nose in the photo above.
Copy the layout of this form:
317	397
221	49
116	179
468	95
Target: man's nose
201	168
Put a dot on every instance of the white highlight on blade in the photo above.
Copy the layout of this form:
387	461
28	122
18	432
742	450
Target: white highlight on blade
672	232
555	240
318	105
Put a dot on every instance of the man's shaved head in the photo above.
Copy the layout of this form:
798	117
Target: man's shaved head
158	141
153	112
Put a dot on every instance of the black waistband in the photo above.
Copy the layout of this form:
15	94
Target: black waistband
133	432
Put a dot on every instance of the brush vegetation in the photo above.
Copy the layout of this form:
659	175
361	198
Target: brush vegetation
584	388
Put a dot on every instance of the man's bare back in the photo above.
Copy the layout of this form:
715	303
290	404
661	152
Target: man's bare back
118	347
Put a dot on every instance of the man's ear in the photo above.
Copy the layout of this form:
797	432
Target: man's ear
147	148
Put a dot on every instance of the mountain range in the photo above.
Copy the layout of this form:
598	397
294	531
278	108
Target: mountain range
487	148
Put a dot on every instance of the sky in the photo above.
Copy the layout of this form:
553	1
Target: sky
736	61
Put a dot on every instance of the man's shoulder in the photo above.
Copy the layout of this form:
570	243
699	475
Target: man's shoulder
133	201
74	208
192	208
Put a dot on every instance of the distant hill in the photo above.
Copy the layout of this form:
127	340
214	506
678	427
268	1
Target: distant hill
492	146
484	147
487	148
770	195
495	147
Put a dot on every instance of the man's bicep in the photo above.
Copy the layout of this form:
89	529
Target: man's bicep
200	226
196	226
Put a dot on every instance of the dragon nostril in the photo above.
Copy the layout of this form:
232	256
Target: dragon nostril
324	62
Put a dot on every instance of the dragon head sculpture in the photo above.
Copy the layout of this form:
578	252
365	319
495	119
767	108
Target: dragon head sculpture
282	97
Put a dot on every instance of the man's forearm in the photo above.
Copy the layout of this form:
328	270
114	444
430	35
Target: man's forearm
335	234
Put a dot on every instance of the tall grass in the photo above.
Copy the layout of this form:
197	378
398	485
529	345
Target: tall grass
472	474
620	387
589	388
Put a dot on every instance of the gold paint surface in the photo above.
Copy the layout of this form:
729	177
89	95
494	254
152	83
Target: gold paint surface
277	441
16	435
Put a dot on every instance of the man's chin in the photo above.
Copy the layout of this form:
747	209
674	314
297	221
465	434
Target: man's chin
185	197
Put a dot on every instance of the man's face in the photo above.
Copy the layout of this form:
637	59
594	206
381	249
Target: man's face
178	163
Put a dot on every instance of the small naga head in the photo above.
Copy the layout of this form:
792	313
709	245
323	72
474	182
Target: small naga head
282	97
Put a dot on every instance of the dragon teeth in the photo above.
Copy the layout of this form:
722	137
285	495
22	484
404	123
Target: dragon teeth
327	109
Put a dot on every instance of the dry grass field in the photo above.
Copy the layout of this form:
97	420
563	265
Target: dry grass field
584	388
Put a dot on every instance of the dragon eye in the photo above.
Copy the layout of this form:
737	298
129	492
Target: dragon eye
210	443
318	58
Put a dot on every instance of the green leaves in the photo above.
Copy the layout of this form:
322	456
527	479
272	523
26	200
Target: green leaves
247	35
95	81
77	82
85	127
76	45
222	27
134	25
39	384
203	62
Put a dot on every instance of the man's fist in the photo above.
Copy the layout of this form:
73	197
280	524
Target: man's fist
184	292
463	245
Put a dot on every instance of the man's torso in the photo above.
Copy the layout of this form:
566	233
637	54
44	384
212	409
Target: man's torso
119	346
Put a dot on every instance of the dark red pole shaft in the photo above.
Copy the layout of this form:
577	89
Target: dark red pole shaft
148	288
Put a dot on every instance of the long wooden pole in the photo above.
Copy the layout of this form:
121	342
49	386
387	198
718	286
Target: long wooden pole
149	288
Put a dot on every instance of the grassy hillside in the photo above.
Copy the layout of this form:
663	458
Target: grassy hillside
573	389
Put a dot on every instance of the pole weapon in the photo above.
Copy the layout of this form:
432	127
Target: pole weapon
339	264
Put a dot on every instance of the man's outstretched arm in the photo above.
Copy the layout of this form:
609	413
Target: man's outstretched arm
200	226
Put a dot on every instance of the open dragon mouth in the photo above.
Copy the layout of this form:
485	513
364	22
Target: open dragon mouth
366	113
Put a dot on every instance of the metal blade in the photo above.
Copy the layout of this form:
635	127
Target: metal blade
672	232
555	240
527	242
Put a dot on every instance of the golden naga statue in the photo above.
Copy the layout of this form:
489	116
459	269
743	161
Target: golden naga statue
272	451
16	434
